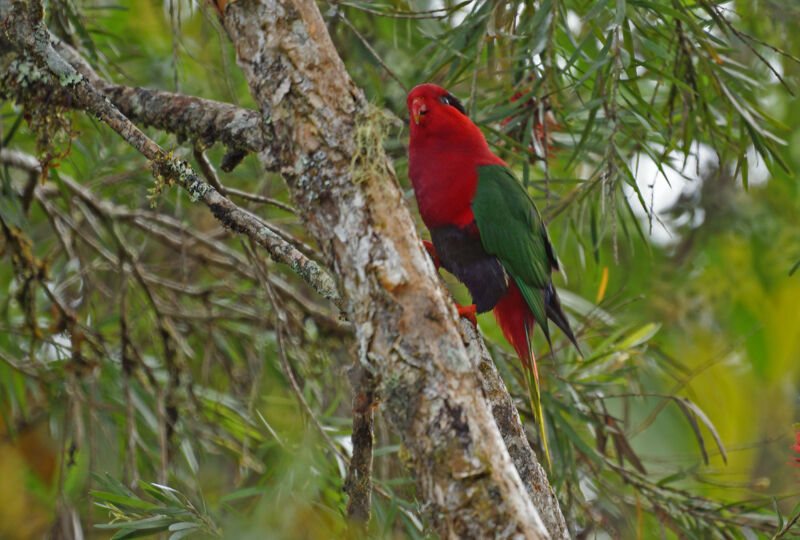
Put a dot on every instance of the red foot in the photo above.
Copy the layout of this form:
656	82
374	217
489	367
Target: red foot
219	7
469	313
432	252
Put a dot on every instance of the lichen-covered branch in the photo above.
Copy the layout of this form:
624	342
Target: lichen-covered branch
406	328
204	121
22	25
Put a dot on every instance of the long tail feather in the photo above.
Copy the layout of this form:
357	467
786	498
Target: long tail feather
532	380
516	320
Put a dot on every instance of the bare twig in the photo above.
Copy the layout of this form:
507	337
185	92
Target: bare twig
372	51
260	199
746	39
279	322
172	233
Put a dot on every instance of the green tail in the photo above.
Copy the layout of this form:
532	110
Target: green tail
536	399
536	407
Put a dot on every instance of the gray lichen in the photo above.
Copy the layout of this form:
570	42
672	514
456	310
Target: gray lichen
27	73
69	78
197	189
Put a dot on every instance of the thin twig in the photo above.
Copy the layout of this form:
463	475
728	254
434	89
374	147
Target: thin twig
28	32
233	192
279	320
372	51
744	38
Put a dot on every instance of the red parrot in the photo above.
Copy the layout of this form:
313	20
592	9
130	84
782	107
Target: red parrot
484	226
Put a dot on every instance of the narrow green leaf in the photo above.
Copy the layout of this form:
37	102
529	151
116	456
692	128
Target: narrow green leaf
243	494
643	334
165	497
777	512
576	439
181	534
602	59
680	475
595	11
695	426
540	23
620	14
188	453
183	525
710	426
123	500
159	522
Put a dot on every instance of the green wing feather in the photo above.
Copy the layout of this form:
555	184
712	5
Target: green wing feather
512	229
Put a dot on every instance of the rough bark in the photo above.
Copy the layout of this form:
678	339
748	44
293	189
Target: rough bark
405	324
507	418
358	484
352	204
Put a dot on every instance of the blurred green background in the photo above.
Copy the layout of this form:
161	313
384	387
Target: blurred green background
678	276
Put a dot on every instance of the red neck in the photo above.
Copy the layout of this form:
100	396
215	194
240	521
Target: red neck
443	167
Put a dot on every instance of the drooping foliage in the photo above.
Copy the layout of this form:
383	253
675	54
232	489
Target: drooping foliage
158	373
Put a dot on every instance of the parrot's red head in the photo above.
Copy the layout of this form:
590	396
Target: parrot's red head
444	152
432	108
441	129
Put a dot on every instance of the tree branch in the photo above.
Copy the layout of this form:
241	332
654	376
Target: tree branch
358	484
507	418
22	25
202	120
405	323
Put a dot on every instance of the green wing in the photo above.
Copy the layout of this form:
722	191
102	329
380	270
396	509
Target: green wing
512	229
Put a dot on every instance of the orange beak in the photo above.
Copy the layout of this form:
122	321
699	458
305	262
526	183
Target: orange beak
418	109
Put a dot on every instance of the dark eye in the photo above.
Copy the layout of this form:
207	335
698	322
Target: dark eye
450	99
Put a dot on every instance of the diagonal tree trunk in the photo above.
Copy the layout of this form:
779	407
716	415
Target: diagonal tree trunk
405	324
439	394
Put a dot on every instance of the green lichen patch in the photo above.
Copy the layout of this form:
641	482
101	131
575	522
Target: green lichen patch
169	170
372	128
27	73
46	108
162	172
69	79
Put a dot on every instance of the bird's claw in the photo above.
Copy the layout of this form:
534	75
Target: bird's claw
469	313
